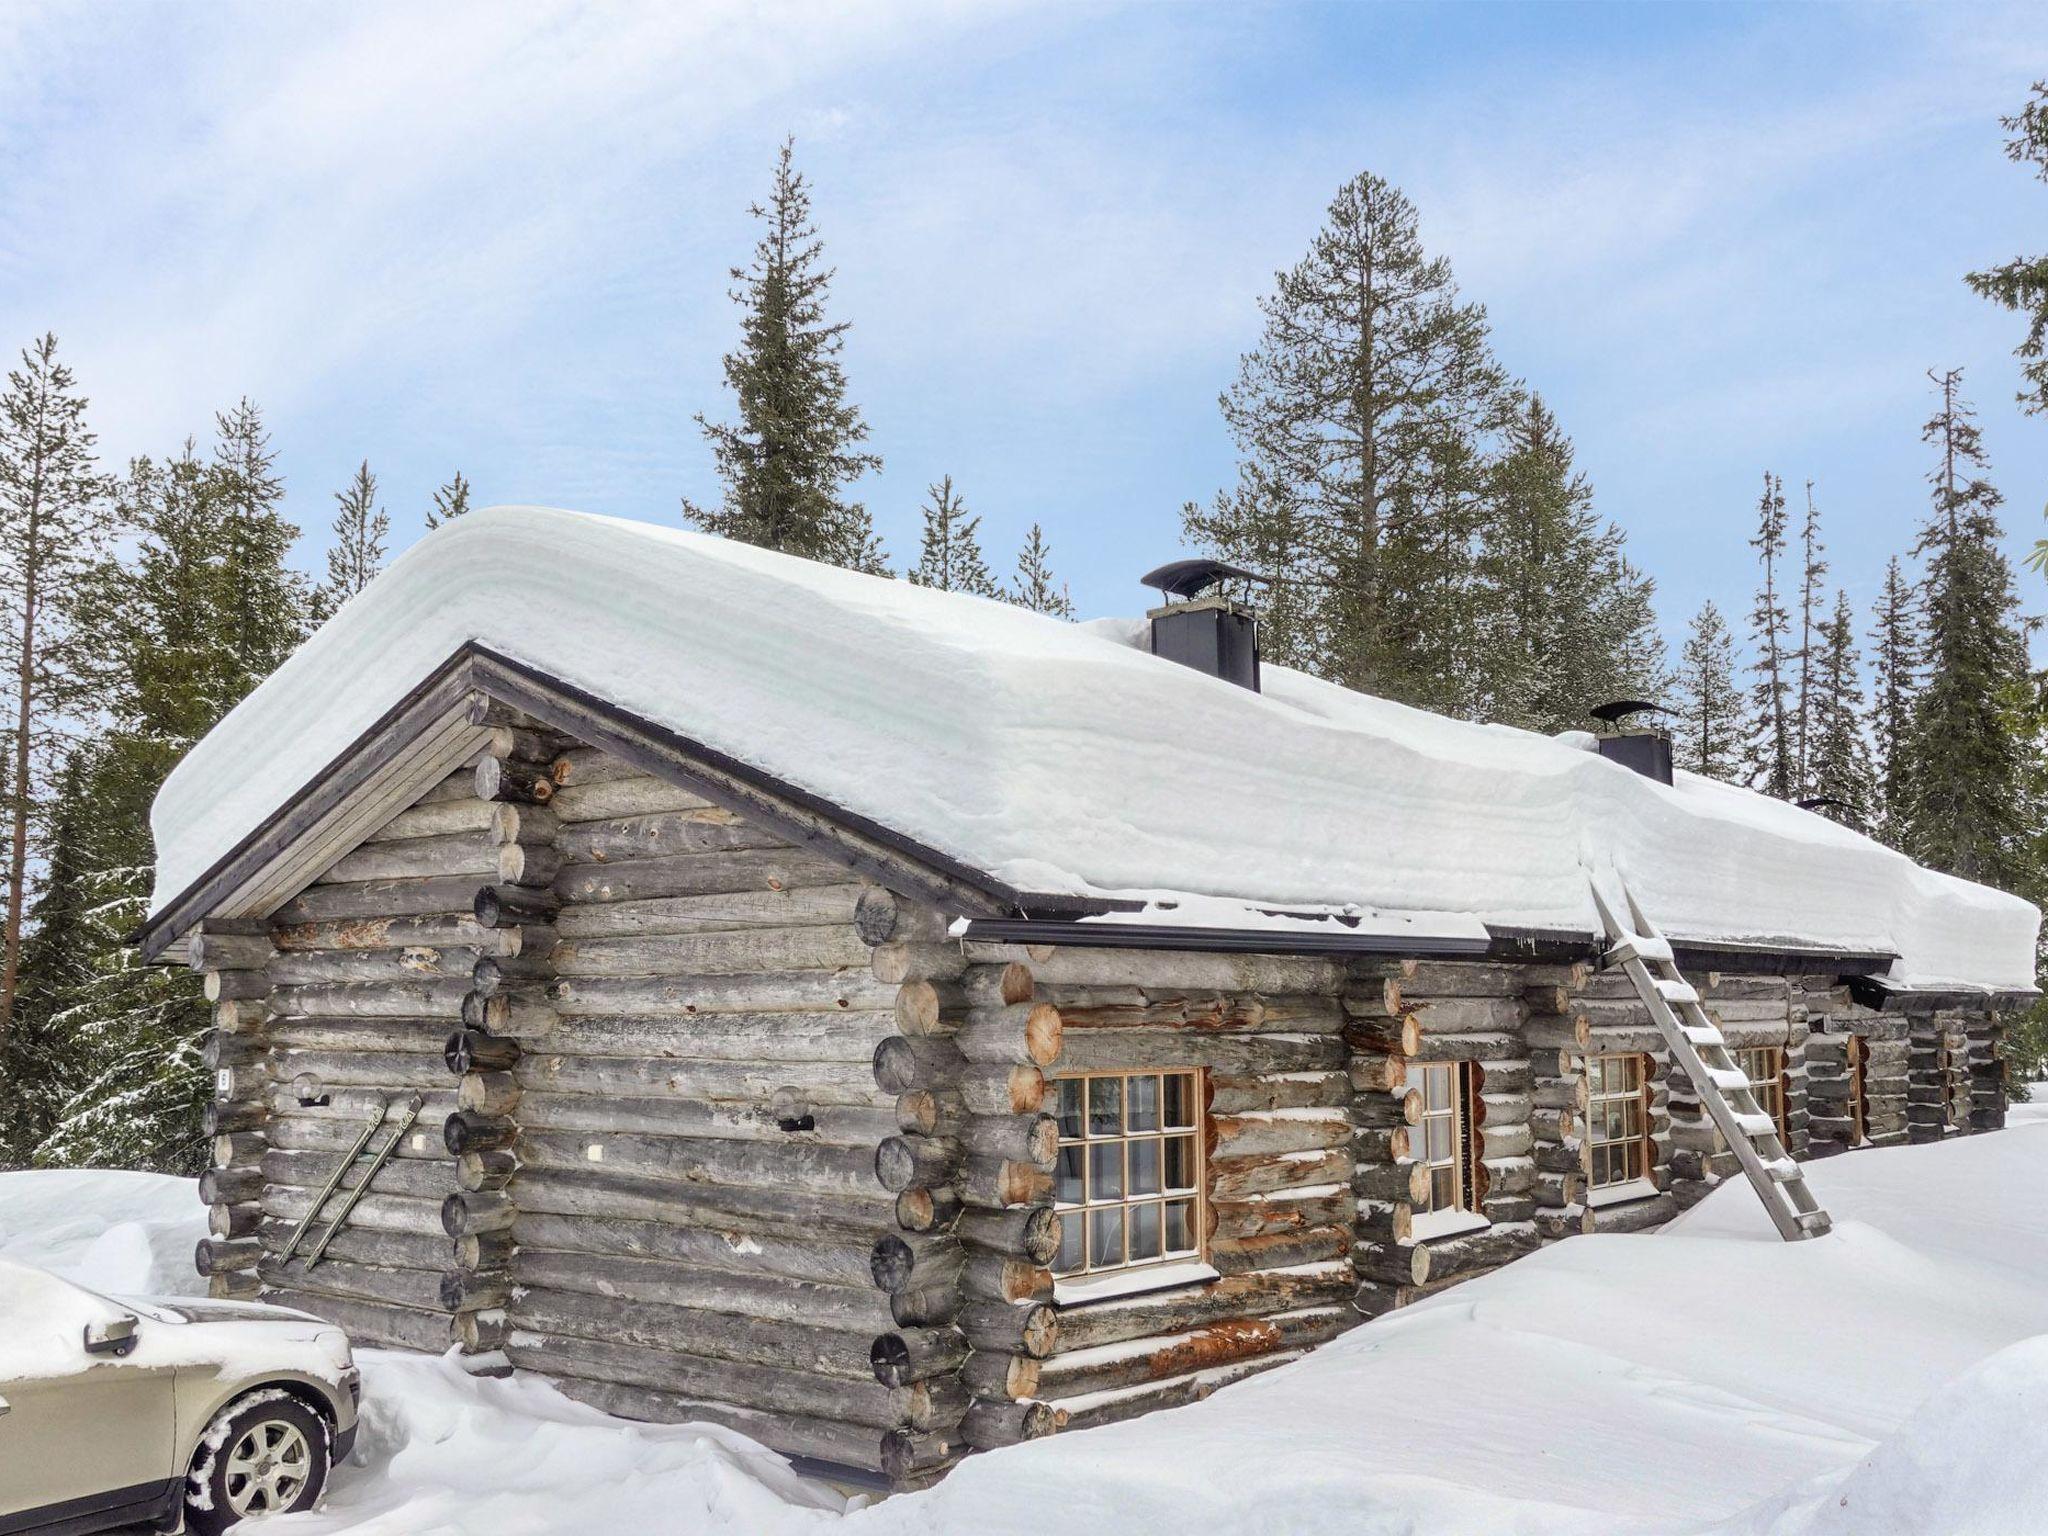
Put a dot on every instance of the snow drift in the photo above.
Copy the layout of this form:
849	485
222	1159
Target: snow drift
1064	759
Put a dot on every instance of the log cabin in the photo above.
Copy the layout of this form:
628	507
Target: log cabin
896	1025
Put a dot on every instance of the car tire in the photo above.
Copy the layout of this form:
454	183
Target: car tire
262	1455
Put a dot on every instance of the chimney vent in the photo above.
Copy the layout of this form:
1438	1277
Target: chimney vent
1207	629
1646	748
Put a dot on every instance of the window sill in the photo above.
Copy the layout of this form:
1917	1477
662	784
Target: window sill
1451	1223
1621	1194
1131	1282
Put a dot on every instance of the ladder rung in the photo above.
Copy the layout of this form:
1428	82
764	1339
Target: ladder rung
1703	1034
1676	991
1756	1125
1815	1221
1783	1169
1648	947
1727	1079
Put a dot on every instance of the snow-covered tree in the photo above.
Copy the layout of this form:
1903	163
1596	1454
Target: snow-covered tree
950	558
450	502
1771	765
360	527
55	523
2021	285
1812	617
1895	651
1033	587
789	461
1709	733
1838	764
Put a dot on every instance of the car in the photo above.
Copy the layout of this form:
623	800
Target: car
171	1414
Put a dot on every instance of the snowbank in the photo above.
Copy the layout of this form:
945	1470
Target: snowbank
120	1233
1060	758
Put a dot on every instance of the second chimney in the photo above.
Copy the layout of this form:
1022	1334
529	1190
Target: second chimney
1207	629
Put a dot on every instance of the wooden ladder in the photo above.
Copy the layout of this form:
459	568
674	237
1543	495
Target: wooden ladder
349	1160
1697	1046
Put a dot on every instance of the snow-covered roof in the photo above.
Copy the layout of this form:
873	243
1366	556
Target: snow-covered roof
1065	759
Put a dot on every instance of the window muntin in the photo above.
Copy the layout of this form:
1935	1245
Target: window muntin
1859	1090
1128	1183
1764	1066
1617	1120
1442	1139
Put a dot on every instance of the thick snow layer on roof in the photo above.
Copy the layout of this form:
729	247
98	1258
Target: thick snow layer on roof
1063	758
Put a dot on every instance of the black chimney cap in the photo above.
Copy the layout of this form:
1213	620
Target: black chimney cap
1611	714
1186	578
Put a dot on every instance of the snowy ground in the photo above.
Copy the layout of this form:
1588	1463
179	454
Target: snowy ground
1891	1378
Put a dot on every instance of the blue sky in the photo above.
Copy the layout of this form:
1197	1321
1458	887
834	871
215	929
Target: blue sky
494	237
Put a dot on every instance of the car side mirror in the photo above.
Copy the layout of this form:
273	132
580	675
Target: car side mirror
111	1336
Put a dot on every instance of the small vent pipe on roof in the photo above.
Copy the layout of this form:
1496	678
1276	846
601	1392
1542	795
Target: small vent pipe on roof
1207	629
1646	747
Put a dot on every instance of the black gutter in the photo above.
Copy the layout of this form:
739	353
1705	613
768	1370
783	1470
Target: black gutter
1255	941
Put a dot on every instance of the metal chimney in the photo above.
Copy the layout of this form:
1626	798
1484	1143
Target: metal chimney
1646	748
1207	629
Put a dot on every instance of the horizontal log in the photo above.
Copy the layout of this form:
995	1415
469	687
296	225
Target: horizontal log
788	1036
593	1191
694	874
917	1354
1023	1034
1031	1233
628	795
738	952
787	1165
748	1084
1300	1090
1234	1055
1001	1377
824	1257
907	1262
319	966
416	858
378	899
990	1425
1167	969
509	779
1232	1178
1031	1329
784	1344
1309	1245
815	1123
1283	1130
661	835
223	1186
423	998
370	1323
355	1244
1256	1293
1077	1372
902	1063
728	911
388	1213
795	991
1392	1263
905	1161
1203	1013
846	1445
997	1183
488	1093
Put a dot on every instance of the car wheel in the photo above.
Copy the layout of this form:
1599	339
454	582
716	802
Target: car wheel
264	1455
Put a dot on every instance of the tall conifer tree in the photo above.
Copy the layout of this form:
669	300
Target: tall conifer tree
788	462
2021	285
450	502
1771	764
357	554
1966	802
1033	586
1709	733
951	558
55	522
1838	764
265	605
1895	649
1812	619
1359	486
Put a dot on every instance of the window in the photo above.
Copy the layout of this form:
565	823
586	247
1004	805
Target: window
1945	1065
1442	1142
1859	1090
1618	1120
1764	1066
1128	1185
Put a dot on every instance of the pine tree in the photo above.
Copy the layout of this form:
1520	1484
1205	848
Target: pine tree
1710	731
357	554
450	502
1565	622
1895	651
1032	587
1358	421
1838	765
1811	622
265	606
55	521
2021	285
951	557
1772	768
1965	806
796	449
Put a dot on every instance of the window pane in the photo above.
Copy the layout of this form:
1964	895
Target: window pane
1436	1088
1106	1172
1145	1167
1180	1162
1070	1256
1070	1107
1143	1104
1180	1226
1144	1232
1106	1237
1066	1185
1180	1100
1442	1191
1105	1106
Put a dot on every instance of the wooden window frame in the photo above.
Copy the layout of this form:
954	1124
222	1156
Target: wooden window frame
1468	1177
1197	1196
1769	1089
1857	1053
1645	1154
1946	1074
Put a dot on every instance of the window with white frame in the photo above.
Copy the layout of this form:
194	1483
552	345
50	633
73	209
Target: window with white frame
1442	1139
1617	1120
1764	1066
1128	1185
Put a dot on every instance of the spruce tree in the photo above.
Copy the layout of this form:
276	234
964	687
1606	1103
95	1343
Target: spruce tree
1565	622
55	522
2021	285
1709	733
1895	651
1359	421
1965	806
1033	587
950	558
1838	764
1770	759
787	463
1812	618
450	502
265	606
357	554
